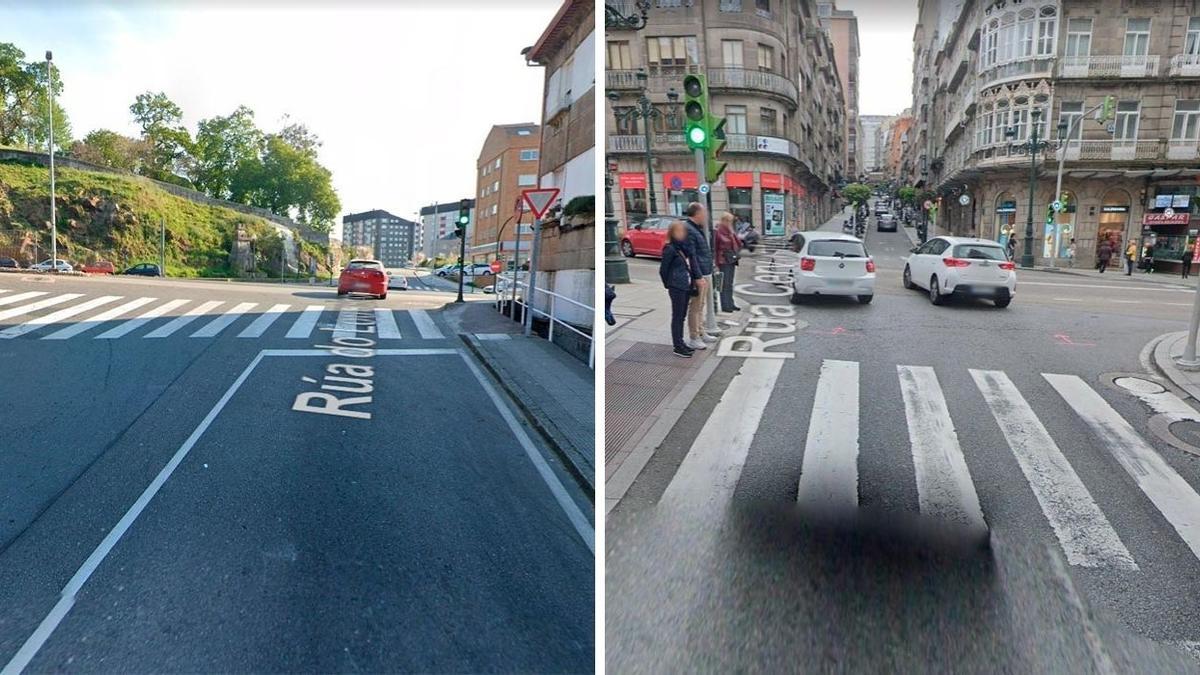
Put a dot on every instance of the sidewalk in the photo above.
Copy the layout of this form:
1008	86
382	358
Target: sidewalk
1162	352
555	391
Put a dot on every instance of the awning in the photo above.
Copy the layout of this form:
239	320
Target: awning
632	181
739	179
770	181
680	180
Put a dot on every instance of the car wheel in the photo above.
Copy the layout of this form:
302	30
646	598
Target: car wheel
382	296
627	248
908	279
935	292
341	293
865	299
1003	302
797	298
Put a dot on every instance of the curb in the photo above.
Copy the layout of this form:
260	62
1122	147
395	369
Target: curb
557	441
1161	359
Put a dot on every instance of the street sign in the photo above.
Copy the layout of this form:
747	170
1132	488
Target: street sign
964	200
495	267
704	188
1057	205
539	199
928	205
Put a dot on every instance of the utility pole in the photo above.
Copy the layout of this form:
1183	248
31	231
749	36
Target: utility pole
162	248
50	151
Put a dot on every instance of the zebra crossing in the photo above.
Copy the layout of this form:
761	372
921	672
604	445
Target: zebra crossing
829	485
66	316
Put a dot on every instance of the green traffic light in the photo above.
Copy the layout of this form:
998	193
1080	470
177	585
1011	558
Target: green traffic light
697	135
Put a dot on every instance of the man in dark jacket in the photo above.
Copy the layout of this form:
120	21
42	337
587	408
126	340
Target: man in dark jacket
702	269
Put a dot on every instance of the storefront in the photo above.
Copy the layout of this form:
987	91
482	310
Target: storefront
1006	217
682	189
1114	221
1060	228
774	204
633	194
740	188
1166	226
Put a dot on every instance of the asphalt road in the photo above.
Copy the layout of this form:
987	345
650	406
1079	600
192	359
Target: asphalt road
918	489
269	478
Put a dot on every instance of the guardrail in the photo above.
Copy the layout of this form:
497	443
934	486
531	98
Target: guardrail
507	297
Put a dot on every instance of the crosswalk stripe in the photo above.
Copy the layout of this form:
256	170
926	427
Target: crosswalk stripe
1087	538
13	299
263	322
385	324
54	317
305	323
108	315
829	471
944	486
1165	488
214	327
126	327
710	472
170	327
347	324
40	304
425	325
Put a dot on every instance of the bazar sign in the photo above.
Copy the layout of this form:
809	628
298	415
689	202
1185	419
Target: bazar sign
1164	219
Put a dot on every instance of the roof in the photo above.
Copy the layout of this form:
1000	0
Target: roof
445	207
367	215
829	236
572	14
970	240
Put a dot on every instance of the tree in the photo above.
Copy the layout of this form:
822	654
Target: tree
24	105
907	194
108	148
857	193
161	121
225	146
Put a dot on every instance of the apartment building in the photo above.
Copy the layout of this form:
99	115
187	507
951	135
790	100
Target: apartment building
895	146
872	148
391	239
842	28
1001	65
437	228
507	164
771	74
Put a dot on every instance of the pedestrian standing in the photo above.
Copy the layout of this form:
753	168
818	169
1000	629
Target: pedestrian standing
610	294
727	246
702	261
1148	260
1012	246
1185	264
1130	258
679	276
1071	254
1104	255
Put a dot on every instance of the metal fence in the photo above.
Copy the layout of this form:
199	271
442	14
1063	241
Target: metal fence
512	294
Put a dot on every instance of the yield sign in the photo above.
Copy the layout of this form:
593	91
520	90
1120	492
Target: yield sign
539	199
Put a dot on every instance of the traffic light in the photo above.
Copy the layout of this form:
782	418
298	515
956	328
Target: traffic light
713	166
1107	109
695	112
464	217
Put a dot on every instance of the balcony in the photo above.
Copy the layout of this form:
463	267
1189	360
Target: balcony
656	81
1185	65
1026	68
754	80
636	143
1114	150
1183	149
1109	66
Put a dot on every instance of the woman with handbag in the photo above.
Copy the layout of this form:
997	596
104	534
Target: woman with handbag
678	273
725	250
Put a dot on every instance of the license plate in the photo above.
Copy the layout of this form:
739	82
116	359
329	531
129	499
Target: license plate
985	264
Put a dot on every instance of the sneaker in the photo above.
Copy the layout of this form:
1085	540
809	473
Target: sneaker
683	352
695	344
709	337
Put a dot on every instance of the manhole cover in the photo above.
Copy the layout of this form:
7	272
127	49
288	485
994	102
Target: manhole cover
1187	431
1139	386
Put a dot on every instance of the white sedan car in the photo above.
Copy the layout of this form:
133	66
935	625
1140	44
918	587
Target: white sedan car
949	266
397	281
46	265
832	264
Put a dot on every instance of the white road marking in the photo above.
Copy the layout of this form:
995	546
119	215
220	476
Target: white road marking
170	327
829	472
347	324
1086	536
385	324
214	327
77	328
263	322
1121	287
40	304
54	317
1168	491
710	472
133	324
305	323
13	299
425	325
944	486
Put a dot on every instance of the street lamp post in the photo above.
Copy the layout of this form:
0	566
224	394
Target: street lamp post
1033	146
616	269
50	151
647	113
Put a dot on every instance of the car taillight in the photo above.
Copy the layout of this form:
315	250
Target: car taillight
956	262
1008	265
808	264
870	265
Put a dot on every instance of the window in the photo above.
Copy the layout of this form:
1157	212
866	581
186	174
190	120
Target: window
1079	37
989	45
496	186
527	179
1019	35
766	58
497	164
767	122
1127	121
731	53
526	132
671	55
1047	29
731	5
529	155
619	56
1071	114
1187	121
1191	44
735	119
763	7
1137	37
1024	46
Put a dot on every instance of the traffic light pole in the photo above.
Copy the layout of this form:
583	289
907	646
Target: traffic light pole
462	264
710	320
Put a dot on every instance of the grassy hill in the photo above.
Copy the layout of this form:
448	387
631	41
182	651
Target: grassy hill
117	218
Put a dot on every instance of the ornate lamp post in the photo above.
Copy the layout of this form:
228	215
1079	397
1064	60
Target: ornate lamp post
615	19
1033	146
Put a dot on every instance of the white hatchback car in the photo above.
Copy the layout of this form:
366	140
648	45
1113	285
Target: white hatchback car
947	266
832	264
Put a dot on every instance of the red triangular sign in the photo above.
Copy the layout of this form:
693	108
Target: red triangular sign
539	199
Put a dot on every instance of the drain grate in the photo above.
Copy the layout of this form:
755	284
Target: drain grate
636	383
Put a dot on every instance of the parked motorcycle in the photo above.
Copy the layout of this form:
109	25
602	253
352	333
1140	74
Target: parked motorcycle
748	236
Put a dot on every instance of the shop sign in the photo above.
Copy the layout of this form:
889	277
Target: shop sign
773	214
1181	201
1115	208
1155	219
770	144
1196	252
1007	207
632	181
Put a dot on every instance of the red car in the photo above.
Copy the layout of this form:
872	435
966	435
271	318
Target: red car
98	267
646	237
363	276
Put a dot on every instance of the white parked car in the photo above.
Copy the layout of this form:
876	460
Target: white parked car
397	281
948	266
832	264
45	265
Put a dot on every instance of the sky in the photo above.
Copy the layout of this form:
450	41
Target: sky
402	93
885	36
